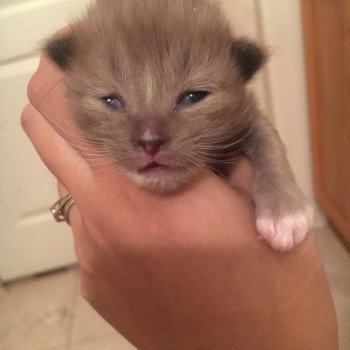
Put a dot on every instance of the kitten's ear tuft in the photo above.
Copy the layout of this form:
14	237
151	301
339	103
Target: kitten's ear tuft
60	49
249	57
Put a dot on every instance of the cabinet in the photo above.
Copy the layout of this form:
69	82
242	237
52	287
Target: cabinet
327	39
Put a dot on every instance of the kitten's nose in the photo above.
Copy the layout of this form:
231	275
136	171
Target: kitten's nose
151	147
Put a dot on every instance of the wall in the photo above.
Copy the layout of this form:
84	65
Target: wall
282	85
245	18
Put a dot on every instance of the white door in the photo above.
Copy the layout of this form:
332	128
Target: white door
30	241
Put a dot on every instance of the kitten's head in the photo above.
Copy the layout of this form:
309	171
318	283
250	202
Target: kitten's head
159	85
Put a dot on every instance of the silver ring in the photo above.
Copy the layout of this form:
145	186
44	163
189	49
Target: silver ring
60	210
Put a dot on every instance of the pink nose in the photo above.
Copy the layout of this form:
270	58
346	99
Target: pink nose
151	147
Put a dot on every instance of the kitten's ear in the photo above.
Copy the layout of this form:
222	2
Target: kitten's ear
60	48
249	57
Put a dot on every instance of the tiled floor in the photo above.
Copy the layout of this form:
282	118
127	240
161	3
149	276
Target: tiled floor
47	313
337	262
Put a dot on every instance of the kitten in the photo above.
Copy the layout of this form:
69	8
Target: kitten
160	86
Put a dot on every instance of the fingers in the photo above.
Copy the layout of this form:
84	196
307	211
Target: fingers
47	94
47	76
43	81
78	227
61	159
74	215
61	189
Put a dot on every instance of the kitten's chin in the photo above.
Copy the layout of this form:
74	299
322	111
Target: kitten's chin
162	182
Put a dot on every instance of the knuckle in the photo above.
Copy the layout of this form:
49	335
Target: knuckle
33	89
26	117
84	291
88	290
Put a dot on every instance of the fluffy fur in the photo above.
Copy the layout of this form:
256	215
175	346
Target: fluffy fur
149	54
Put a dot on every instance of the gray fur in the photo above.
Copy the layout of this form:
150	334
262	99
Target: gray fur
150	52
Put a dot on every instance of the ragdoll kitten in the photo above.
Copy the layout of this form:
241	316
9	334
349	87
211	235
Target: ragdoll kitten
160	85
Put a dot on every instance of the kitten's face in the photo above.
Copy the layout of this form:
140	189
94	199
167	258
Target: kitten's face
157	85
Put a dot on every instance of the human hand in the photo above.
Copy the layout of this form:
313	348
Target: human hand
169	272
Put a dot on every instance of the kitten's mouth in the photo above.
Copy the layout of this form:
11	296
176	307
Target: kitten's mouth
159	177
154	167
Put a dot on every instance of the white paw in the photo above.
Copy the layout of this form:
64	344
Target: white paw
284	232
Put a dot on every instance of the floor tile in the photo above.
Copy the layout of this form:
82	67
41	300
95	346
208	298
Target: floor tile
115	342
88	324
37	313
89	327
334	254
337	264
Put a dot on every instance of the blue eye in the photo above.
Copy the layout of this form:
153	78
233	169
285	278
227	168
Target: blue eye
192	97
113	102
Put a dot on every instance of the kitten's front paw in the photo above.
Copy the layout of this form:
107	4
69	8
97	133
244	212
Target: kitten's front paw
283	232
